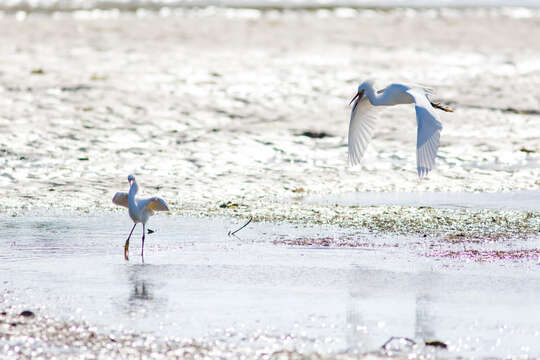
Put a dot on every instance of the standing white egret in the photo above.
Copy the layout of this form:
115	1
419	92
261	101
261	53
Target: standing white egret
364	121
140	210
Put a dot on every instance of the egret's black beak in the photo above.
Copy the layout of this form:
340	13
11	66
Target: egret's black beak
358	95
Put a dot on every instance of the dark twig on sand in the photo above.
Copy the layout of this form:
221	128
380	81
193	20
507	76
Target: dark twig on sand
231	233
410	341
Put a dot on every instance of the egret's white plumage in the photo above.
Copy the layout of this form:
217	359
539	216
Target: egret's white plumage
139	210
121	199
364	121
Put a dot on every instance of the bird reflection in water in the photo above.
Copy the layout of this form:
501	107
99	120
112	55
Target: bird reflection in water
140	291
369	301
425	314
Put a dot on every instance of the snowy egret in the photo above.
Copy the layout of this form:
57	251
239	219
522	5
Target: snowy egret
140	210
364	120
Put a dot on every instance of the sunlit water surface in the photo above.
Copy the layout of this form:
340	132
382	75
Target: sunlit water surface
510	200
196	282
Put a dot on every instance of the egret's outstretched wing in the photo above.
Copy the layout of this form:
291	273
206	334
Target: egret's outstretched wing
429	132
120	198
155	204
360	129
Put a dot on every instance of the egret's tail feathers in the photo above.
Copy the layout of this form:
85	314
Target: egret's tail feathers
440	107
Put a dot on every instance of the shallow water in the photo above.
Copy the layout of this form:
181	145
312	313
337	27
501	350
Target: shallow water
514	200
196	282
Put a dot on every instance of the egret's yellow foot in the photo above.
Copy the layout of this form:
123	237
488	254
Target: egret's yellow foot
126	250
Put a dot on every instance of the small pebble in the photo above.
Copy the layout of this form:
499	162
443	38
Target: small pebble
27	314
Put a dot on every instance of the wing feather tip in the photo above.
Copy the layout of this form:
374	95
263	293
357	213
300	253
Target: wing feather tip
354	160
120	199
353	164
161	204
423	171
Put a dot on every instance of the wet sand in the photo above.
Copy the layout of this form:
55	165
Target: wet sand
204	116
210	109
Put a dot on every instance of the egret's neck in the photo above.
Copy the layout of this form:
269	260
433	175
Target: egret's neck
374	99
132	192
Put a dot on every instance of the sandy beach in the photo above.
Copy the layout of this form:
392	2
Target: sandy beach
243	113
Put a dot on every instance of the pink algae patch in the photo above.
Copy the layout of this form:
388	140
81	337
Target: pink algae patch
489	255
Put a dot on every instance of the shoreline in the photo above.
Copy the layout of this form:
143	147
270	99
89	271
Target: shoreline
470	224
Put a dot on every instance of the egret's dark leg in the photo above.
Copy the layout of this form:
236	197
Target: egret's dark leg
143	231
439	106
126	246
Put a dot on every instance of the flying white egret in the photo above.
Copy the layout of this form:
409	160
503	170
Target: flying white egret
140	210
364	121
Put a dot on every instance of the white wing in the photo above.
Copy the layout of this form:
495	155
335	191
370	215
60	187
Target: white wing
360	129
154	204
120	198
429	132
